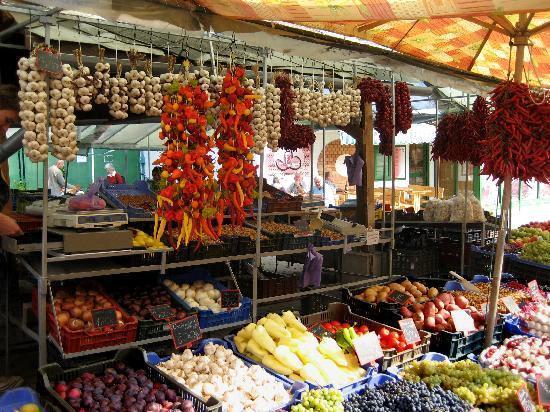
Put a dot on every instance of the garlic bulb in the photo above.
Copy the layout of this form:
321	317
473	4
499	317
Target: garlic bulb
153	95
101	79
315	106
341	109
273	116
302	101
136	91
216	84
33	103
355	108
259	121
326	108
118	102
166	79
62	117
83	84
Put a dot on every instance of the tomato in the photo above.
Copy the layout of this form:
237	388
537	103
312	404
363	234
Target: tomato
384	332
327	325
363	329
395	335
345	325
335	323
393	343
401	347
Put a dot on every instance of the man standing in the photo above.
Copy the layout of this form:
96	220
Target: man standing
56	180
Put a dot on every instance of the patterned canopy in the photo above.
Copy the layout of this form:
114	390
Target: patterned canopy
472	35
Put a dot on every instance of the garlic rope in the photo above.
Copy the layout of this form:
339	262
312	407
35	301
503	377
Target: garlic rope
62	117
83	83
273	116
355	108
101	79
302	100
167	78
315	106
258	124
118	103
215	89
153	95
33	101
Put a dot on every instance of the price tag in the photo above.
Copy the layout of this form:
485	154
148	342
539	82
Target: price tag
319	331
185	331
511	304
398	297
463	322
367	348
534	291
409	330
543	389
161	312
230	298
104	317
48	62
525	400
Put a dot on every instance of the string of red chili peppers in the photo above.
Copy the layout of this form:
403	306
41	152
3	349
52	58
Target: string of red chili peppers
518	137
234	139
403	108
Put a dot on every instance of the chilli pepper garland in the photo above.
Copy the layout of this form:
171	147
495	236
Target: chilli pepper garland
190	195
518	139
235	139
403	108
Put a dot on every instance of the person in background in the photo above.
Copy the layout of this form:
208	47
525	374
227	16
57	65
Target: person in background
277	183
113	177
56	180
317	186
330	190
9	107
297	188
154	184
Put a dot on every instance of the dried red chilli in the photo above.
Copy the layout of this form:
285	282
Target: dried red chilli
403	108
293	136
518	140
444	137
373	91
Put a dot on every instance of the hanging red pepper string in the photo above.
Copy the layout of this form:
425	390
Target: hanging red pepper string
403	108
234	139
518	137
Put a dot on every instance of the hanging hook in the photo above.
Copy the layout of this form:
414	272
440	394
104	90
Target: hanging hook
78	25
59	38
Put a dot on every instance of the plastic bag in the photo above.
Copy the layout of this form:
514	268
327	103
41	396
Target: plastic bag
311	275
442	211
478	215
461	208
429	211
88	201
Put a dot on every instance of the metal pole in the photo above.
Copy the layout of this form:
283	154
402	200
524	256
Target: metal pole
324	138
465	218
383	191
520	42
43	281
258	259
150	174
311	172
392	175
436	161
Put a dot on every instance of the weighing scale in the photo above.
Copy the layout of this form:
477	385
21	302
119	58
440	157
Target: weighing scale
92	219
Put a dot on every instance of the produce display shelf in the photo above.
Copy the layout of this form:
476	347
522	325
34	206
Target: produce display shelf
137	343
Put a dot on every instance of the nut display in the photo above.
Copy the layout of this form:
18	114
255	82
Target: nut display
144	202
479	299
280	228
417	292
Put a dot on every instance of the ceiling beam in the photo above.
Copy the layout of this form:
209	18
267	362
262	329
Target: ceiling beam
371	25
489	26
481	46
504	23
538	29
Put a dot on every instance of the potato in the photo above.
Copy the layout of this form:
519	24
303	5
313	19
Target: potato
438	319
419	316
416	293
419	325
440	327
446	298
381	297
406	283
422	299
439	304
432	292
429	309
430	322
451	307
397	286
416	307
462	302
406	312
420	287
445	313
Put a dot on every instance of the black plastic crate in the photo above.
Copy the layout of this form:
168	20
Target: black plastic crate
527	270
423	262
456	345
135	358
481	262
295	242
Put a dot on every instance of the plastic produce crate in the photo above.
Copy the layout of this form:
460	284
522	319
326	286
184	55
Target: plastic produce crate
207	318
294	388
481	261
342	313
111	193
512	326
415	262
270	284
373	381
14	399
135	358
527	270
395	371
230	339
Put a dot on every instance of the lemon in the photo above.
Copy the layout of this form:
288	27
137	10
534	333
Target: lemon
29	407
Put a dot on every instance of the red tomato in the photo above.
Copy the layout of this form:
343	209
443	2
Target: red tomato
401	346
363	329
327	325
335	323
402	338
384	333
395	335
345	325
393	343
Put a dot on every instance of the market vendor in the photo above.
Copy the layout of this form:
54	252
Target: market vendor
317	186
56	180
113	177
297	188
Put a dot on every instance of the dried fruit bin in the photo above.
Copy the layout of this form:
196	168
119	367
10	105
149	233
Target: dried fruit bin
207	318
135	358
342	313
14	399
111	193
456	345
294	388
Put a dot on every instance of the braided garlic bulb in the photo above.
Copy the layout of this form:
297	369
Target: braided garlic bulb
101	79
118	103
136	91
273	116
62	117
216	85
259	120
302	100
153	95
315	106
33	102
167	78
355	111
83	84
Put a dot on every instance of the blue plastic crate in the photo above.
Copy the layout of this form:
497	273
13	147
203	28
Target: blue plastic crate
372	382
111	192
451	285
16	398
395	371
207	318
295	388
512	326
230	339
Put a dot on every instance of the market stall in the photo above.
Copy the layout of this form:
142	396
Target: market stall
169	293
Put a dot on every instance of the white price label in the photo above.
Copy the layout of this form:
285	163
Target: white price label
463	321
